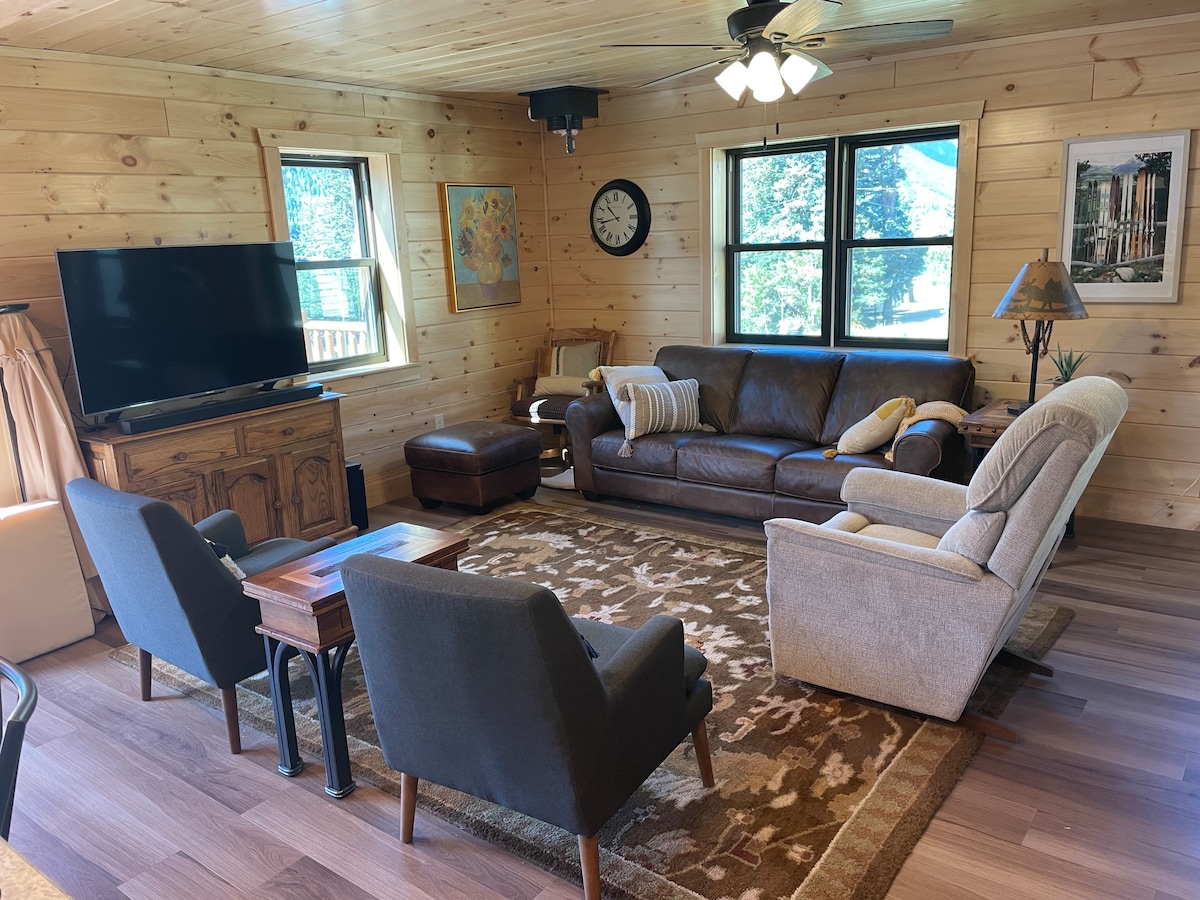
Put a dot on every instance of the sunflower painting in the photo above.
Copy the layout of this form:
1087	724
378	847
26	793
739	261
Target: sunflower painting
481	225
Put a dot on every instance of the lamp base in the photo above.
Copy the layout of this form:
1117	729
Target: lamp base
1016	407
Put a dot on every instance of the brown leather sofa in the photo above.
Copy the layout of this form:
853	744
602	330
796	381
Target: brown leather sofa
774	410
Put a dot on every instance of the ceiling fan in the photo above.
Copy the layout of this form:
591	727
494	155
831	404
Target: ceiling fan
772	37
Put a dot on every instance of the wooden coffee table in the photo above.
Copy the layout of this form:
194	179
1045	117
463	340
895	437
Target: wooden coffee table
304	613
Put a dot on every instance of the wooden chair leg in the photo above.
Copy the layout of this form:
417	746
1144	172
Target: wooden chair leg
988	726
229	705
408	806
144	659
589	864
1035	666
703	756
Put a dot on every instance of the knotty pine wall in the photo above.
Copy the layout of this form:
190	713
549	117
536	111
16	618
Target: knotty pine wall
94	153
1035	93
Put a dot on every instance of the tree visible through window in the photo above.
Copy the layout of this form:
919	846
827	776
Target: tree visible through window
845	242
328	209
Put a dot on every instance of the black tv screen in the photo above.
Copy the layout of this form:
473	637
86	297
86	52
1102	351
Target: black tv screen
149	324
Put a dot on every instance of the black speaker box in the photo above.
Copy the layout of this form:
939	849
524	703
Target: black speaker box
357	486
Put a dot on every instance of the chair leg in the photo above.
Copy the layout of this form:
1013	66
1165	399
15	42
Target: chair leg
1035	666
144	672
703	756
408	806
229	705
589	864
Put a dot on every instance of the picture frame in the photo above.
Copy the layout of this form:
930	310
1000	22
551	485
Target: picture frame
1122	216
481	245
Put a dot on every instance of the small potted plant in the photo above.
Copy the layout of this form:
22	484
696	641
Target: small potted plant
1066	363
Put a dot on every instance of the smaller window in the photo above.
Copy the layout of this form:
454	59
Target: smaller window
328	202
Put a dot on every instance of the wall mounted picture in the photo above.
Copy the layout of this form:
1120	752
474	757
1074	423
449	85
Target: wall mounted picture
1123	216
481	225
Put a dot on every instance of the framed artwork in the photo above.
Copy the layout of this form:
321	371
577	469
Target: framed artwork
1123	202
481	224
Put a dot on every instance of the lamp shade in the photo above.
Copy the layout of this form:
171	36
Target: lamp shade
734	78
1042	290
765	81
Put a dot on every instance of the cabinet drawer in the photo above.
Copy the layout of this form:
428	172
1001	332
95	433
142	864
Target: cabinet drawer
287	428
152	460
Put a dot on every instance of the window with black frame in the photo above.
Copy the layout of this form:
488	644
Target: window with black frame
843	242
328	202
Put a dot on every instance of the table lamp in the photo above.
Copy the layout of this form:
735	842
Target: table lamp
1042	291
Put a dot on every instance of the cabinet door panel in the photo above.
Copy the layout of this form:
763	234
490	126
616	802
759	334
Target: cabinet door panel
314	480
252	490
189	497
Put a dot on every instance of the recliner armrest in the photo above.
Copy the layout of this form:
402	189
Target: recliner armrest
225	527
909	501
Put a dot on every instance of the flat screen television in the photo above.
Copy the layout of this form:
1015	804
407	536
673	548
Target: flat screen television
150	324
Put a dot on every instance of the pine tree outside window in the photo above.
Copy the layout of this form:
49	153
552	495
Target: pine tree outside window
843	242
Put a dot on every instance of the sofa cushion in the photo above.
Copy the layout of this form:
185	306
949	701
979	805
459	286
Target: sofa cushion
785	393
718	371
808	474
867	380
738	460
655	452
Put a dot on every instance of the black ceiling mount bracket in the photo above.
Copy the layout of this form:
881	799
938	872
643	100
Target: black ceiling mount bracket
564	109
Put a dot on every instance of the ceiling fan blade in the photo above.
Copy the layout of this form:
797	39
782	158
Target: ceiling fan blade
867	36
691	71
716	48
800	18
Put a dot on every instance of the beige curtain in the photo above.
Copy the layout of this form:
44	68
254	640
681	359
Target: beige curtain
47	450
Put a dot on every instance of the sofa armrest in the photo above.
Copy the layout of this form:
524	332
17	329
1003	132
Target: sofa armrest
933	448
588	417
909	501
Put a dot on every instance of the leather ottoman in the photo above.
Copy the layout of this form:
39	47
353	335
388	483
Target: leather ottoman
474	464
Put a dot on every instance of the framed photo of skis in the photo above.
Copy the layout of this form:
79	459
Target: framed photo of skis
1123	202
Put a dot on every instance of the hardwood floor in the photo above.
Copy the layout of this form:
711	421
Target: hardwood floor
1101	799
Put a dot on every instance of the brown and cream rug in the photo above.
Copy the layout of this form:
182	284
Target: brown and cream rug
818	796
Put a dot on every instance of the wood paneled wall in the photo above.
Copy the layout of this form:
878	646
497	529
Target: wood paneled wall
1036	93
95	153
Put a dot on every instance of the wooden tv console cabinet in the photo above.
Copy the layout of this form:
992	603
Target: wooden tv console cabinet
282	469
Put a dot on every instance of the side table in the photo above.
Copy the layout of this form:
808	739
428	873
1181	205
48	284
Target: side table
983	428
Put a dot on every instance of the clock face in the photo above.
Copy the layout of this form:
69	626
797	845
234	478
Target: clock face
620	217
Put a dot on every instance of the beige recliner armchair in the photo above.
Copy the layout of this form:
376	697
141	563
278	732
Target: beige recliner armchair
907	596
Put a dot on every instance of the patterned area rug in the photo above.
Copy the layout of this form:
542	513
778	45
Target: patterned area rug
819	796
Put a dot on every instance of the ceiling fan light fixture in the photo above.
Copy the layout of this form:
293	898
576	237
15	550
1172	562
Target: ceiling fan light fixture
734	79
765	83
798	70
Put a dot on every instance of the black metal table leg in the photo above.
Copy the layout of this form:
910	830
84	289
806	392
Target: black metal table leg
278	654
326	674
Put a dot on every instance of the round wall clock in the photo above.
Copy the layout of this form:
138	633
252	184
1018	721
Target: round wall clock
620	217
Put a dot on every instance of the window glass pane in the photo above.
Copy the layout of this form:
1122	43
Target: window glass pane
900	292
779	292
322	211
339	312
905	190
783	198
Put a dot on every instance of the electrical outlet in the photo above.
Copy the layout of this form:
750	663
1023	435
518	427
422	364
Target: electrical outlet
439	421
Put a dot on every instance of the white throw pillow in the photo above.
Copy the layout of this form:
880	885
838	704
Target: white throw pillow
616	377
875	430
575	359
670	406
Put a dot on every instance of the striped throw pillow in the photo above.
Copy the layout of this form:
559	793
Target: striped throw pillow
667	406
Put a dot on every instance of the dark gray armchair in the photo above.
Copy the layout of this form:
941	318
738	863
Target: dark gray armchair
172	596
484	685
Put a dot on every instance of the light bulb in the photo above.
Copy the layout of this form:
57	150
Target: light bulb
797	71
733	79
765	83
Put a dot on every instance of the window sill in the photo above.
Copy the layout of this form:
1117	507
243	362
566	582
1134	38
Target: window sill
405	373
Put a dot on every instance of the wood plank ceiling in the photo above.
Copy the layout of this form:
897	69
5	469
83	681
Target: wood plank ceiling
498	47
